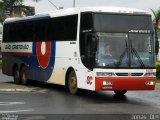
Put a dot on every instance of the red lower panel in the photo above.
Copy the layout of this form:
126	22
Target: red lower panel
18	53
124	83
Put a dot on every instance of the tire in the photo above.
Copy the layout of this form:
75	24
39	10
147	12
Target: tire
120	92
23	76
16	75
72	83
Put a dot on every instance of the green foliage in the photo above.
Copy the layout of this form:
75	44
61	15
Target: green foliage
14	8
156	14
0	64
158	69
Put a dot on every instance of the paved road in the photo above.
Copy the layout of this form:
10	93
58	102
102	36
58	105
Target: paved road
43	99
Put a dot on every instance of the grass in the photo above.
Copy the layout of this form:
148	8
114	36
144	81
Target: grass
158	80
0	63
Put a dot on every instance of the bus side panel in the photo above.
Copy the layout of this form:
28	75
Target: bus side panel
39	63
7	64
15	53
43	60
66	56
85	78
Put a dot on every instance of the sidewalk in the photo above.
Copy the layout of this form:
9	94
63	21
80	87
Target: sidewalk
158	86
11	87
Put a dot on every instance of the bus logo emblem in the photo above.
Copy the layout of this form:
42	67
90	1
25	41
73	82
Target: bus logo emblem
43	51
129	74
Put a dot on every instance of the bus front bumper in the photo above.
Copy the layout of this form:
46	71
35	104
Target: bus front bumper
130	83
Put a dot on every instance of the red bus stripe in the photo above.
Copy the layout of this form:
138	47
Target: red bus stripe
18	53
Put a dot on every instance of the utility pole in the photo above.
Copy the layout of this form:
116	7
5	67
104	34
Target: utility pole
53	4
74	3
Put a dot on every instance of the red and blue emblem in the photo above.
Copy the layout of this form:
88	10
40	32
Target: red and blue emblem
42	60
43	52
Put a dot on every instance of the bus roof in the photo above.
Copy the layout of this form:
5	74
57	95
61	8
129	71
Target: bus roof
71	11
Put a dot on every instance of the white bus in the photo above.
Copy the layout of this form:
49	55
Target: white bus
93	48
0	40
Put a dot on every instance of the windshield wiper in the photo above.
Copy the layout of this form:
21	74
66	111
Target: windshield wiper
121	57
139	59
136	53
123	54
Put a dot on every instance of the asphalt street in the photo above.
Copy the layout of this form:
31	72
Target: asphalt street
39	100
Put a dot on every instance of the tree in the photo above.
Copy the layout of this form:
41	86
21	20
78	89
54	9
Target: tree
155	21
14	8
157	30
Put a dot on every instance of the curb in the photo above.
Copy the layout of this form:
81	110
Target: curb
16	90
158	84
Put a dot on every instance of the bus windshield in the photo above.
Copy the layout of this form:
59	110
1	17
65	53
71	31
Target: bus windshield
123	40
125	50
122	23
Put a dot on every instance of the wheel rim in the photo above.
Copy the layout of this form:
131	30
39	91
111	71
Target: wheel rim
73	82
16	76
23	77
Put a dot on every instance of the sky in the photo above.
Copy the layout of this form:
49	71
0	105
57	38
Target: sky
45	5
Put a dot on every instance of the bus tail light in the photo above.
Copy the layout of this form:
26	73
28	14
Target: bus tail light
150	83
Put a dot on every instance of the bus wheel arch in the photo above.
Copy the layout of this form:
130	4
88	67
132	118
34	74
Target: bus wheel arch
120	92
71	81
16	74
23	75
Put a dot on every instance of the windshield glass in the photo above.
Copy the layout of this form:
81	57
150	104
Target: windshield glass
111	48
122	23
122	50
142	51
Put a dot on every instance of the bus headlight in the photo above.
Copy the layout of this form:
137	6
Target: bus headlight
150	83
150	74
108	83
105	74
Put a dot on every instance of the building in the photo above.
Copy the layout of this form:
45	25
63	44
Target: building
20	11
7	11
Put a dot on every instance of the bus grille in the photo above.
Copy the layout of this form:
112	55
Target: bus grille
129	74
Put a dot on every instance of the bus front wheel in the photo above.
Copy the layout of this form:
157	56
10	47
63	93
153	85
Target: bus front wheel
23	76
72	83
16	75
120	92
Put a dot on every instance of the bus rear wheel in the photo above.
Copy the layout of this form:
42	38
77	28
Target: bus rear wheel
72	83
16	75
120	92
23	76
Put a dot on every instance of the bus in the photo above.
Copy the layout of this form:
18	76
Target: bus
91	48
0	40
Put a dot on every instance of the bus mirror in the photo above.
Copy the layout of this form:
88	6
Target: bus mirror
156	45
94	43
